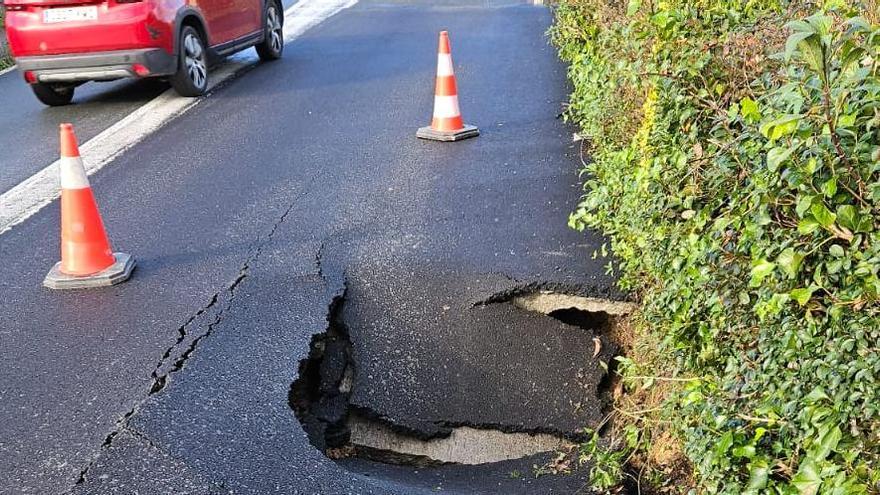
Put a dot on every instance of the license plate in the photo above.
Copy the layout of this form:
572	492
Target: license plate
70	14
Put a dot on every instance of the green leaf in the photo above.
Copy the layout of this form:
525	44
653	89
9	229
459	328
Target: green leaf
829	188
829	438
807	479
733	111
807	40
762	216
846	121
859	24
724	443
749	110
777	156
780	127
803	204
803	295
747	451
836	250
810	167
807	226
820	22
790	262
633	7
848	216
758	473
816	395
791	45
759	434
823	215
800	26
875	192
760	271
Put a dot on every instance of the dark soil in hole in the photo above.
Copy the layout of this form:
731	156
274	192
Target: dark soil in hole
601	323
595	320
320	395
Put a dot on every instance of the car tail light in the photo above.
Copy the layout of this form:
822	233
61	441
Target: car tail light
140	70
30	77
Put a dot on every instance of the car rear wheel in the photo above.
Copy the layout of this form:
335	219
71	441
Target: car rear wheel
191	78
53	95
273	42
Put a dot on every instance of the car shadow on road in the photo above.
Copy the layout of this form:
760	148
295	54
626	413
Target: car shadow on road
125	91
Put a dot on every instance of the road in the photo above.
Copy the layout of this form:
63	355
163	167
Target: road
298	185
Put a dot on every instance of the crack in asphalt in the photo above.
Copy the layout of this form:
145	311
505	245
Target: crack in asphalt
143	437
182	334
228	296
161	380
319	257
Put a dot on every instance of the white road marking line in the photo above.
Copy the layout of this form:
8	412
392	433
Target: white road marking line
7	70
31	195
306	14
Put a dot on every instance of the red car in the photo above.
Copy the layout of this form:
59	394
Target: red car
60	44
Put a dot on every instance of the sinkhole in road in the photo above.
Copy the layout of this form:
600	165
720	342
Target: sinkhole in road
609	316
320	398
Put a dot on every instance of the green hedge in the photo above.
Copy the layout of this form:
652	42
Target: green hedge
735	160
5	58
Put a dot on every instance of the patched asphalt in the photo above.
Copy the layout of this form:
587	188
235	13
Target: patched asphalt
248	213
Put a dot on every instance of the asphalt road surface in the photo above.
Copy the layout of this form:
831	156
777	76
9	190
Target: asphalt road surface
299	183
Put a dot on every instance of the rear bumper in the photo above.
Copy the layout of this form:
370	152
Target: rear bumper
98	66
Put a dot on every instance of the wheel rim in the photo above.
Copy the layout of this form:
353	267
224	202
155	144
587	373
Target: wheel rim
273	24
194	58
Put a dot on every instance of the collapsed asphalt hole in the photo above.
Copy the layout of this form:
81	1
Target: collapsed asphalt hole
605	318
320	398
599	322
579	318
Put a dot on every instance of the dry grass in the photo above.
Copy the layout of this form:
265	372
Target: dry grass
872	11
643	406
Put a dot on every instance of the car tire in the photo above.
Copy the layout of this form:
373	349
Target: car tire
191	78
272	45
53	95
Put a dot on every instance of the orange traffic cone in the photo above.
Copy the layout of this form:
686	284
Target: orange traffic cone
86	257
447	124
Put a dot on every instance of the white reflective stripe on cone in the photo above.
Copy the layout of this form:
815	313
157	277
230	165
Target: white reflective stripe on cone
444	64
73	174
446	107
